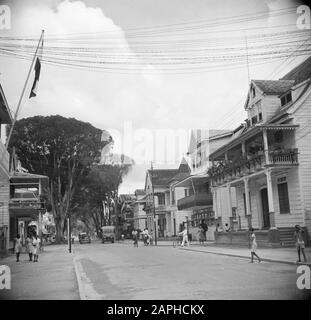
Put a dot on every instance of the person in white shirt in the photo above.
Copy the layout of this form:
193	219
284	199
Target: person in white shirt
184	235
254	247
36	247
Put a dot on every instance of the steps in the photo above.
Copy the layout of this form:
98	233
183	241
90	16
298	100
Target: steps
287	237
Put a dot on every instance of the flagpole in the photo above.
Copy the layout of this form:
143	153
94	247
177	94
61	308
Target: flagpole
23	92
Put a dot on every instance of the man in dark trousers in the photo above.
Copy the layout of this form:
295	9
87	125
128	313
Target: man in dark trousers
204	226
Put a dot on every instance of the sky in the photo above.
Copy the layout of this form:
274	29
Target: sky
137	107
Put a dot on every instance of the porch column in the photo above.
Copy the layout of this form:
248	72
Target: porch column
265	144
243	148
270	198
230	205
247	202
226	156
214	202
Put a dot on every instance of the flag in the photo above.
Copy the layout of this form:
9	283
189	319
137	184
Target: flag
34	88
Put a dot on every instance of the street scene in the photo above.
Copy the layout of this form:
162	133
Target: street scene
121	271
155	151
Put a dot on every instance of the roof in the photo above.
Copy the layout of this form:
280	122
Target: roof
183	171
161	177
276	87
299	73
140	192
127	197
5	113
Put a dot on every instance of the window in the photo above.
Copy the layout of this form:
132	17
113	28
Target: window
254	119
286	99
260	116
161	199
186	192
283	197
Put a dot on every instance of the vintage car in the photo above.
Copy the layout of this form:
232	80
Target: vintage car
108	234
84	238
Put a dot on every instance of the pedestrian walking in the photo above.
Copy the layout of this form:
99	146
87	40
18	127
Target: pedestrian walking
254	247
18	246
300	244
184	235
29	246
135	238
36	247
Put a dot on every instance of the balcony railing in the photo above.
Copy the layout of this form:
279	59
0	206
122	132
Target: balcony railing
196	200
227	171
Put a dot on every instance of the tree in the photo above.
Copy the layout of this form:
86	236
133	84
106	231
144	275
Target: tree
64	149
100	184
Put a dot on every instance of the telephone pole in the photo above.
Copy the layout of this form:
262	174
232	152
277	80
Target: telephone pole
153	205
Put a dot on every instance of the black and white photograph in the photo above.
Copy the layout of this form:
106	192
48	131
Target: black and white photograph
155	151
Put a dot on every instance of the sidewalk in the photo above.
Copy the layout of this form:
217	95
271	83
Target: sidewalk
279	255
53	277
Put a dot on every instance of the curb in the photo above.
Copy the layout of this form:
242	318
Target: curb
247	257
85	287
80	284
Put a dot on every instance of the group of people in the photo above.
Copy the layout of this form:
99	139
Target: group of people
146	236
300	244
32	247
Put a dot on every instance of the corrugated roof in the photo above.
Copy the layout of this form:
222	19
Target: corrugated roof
274	86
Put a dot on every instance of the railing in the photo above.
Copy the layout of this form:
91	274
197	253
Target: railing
287	156
4	157
195	200
227	171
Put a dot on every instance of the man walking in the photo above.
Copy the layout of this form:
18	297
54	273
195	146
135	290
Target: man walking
184	235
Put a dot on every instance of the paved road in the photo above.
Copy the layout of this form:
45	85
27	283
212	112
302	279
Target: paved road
120	271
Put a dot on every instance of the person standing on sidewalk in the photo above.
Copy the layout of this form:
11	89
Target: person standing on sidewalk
18	246
36	247
300	244
135	237
254	247
184	235
29	246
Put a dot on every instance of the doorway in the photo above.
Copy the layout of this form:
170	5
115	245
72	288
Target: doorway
265	208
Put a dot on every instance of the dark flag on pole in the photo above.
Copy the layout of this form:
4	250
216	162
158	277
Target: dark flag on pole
34	88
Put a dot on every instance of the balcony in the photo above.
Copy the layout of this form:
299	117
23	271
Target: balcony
228	171
195	201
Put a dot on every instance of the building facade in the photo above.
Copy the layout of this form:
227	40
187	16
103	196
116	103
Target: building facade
268	159
5	118
140	218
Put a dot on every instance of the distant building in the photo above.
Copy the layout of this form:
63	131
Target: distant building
140	218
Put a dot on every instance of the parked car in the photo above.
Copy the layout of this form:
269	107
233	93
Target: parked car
108	234
84	238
